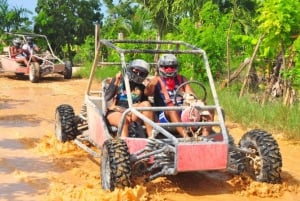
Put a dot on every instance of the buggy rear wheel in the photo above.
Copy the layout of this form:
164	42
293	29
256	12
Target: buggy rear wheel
115	165
65	126
34	72
265	163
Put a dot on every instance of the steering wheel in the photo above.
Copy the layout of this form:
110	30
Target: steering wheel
179	92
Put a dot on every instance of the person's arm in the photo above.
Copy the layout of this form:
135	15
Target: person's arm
142	91
113	87
13	52
36	48
187	87
150	88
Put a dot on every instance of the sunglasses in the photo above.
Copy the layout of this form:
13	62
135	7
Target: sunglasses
139	72
166	67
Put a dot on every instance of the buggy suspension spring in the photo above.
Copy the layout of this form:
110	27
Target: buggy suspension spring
165	158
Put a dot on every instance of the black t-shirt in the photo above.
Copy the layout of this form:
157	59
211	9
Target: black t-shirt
119	92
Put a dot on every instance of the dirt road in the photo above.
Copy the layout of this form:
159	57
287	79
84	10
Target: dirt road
34	166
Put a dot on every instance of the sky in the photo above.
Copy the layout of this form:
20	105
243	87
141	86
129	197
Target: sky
28	4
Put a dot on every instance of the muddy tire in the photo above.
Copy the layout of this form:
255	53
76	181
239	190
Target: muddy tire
68	70
236	163
65	126
115	165
265	163
34	72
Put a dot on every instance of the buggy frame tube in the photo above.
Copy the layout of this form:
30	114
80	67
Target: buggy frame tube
192	50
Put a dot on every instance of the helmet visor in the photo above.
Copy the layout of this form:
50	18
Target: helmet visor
139	72
169	69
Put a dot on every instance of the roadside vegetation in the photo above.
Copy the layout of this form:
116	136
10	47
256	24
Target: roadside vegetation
253	46
273	116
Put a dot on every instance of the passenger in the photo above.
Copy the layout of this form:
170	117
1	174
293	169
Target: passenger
17	53
163	87
30	48
137	71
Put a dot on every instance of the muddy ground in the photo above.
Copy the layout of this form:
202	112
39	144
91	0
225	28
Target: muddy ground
35	166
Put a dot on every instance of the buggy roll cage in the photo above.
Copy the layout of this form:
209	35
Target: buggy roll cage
25	34
180	48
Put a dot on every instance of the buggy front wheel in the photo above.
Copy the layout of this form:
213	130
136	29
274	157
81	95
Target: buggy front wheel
34	72
65	126
264	163
115	165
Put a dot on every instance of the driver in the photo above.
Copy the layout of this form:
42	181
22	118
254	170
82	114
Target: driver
163	88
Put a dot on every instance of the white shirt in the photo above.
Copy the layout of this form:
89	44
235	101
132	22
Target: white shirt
29	48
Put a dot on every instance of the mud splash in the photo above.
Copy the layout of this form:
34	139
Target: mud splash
245	186
81	179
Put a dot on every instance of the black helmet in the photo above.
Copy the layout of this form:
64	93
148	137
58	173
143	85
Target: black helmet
138	70
29	40
168	65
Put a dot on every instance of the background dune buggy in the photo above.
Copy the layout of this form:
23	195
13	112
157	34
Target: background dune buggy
48	63
125	159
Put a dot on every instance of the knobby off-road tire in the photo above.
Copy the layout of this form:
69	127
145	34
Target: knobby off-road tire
236	160
115	165
34	72
266	163
65	126
68	70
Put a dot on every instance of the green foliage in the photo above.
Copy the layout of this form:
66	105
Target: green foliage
295	71
163	14
86	51
279	19
66	23
13	19
207	34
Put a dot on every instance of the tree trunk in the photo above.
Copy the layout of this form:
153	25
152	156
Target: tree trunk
274	79
283	67
250	65
228	43
236	73
290	94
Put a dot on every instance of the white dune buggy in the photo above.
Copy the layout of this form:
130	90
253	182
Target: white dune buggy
125	159
48	62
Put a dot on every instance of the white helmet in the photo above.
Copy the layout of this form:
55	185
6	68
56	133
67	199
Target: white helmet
168	65
138	70
17	42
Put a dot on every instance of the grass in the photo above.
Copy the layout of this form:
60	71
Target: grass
101	72
273	117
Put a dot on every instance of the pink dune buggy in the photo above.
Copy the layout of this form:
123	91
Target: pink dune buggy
125	159
48	62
